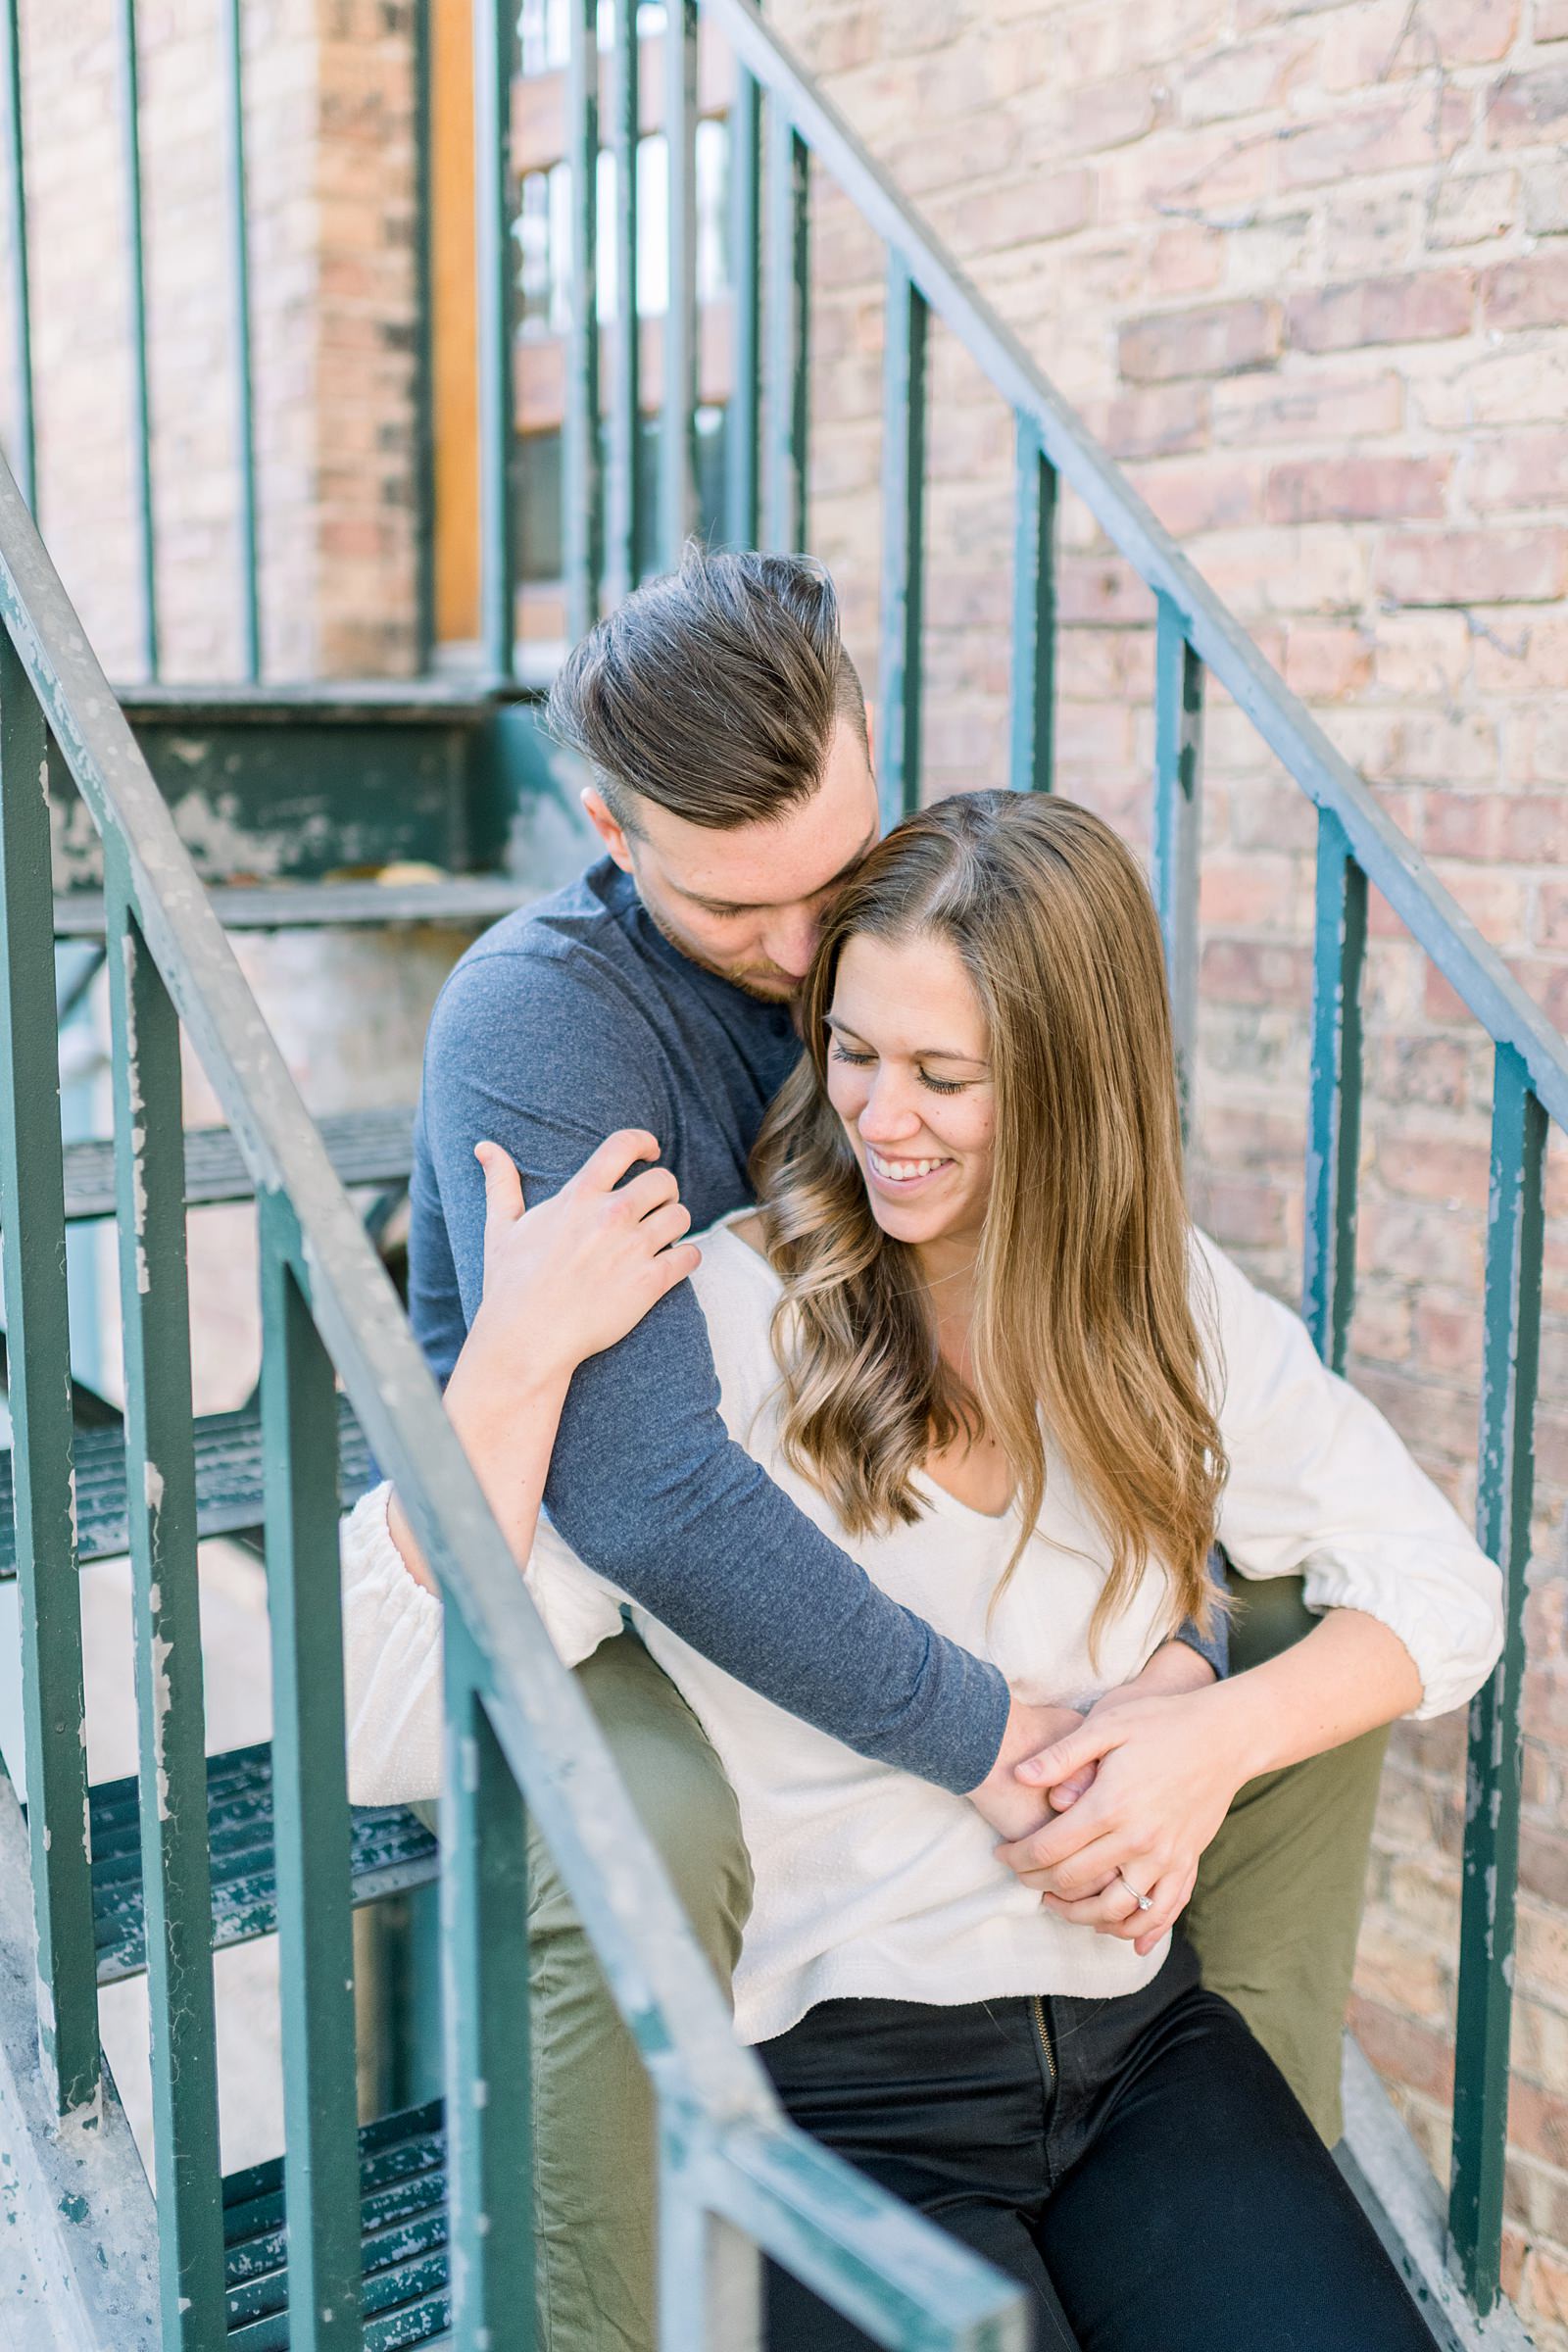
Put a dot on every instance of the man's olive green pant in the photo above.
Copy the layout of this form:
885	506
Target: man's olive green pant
1274	1919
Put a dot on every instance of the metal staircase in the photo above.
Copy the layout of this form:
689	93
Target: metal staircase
322	787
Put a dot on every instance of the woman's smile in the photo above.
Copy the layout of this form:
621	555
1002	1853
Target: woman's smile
902	1175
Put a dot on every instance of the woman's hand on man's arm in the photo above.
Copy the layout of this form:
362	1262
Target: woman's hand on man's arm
561	1281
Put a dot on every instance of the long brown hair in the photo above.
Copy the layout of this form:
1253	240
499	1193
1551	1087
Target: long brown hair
1083	1325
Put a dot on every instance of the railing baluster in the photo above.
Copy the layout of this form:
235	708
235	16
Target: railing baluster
624	500
32	1225
1033	611
788	355
677	443
1505	1490
136	281
1333	1116
161	1496
10	129
1178	826
898	713
423	387
494	47
484	1942
709	2273
310	1799
240	262
581	469
743	446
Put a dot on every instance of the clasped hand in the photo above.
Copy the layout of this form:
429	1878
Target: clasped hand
1163	1779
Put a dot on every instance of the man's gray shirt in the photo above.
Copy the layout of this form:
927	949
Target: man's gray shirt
563	1023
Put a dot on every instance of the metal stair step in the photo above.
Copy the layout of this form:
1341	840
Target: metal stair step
364	1146
403	2217
458	900
228	1482
389	1850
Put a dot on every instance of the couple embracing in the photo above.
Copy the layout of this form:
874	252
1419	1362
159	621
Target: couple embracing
994	1605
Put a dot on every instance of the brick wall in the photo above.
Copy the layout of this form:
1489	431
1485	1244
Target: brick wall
328	97
1304	270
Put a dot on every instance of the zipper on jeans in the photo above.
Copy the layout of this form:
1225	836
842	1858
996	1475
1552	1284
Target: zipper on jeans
1038	2008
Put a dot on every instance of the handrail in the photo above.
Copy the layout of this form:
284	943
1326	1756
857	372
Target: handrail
1469	963
728	2151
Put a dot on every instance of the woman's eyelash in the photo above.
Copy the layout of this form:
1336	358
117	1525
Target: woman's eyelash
938	1085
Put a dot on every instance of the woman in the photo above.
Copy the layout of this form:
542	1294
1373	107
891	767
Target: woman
972	1331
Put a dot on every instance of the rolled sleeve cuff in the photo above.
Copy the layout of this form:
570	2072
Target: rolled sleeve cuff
1446	1606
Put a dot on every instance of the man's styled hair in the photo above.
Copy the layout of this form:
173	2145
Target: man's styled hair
714	691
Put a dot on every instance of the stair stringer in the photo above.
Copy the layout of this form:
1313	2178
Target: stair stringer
79	2233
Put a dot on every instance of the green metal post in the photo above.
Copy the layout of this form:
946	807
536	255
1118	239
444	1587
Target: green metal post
743	443
898	707
1334	1117
161	1499
240	264
1178	826
32	1224
581	471
1505	1490
484	1999
494	47
677	440
16	172
787	360
1033	611
624	502
310	1813
136	281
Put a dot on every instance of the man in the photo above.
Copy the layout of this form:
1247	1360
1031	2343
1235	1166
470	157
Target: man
725	731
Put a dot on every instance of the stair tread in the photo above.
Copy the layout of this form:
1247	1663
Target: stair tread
389	1849
228	1482
403	2235
364	1146
459	898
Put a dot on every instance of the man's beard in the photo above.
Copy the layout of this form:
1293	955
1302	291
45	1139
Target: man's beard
750	980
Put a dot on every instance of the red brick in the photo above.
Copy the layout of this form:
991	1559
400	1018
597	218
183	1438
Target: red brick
1422	655
1528	110
1246	79
1426	308
1488	568
1402	2050
1534	830
1219	340
1461	825
1389	135
1472	208
1307	406
1434	1167
1246	973
1323	489
1530	292
1523	468
1044	205
1324	662
1203	494
1159	422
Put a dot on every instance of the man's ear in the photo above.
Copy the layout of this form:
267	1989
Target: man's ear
613	836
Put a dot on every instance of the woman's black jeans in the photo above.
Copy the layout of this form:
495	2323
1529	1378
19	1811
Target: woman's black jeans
1139	2163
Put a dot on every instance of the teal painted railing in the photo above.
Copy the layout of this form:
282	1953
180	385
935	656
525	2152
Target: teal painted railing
1357	845
732	2167
735	2177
